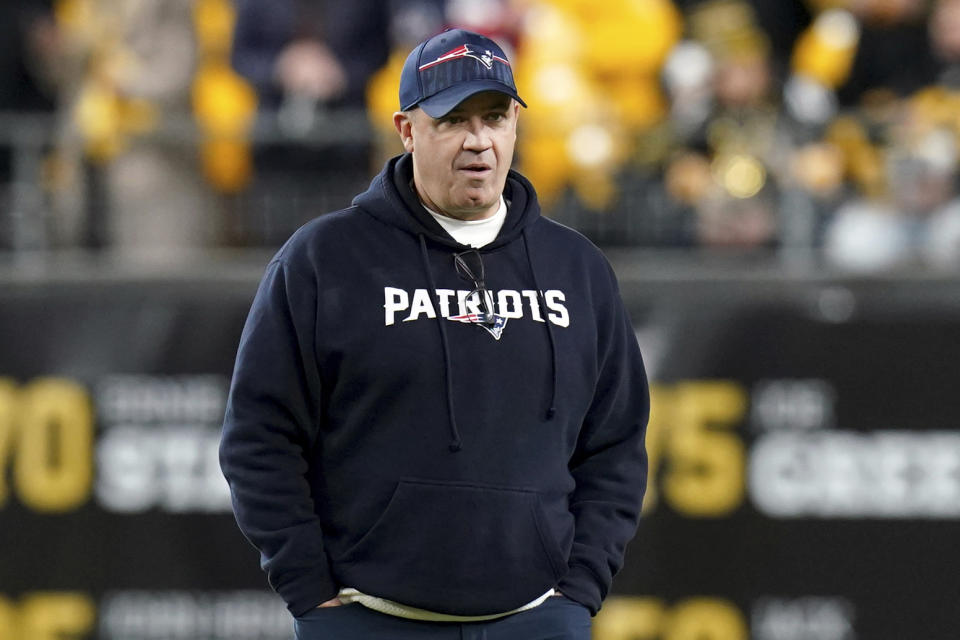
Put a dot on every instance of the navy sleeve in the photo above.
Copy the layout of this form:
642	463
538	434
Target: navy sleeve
269	428
610	464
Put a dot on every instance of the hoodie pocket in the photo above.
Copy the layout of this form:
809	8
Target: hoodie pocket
456	548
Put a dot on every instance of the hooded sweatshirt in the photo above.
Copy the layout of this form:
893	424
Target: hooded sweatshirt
382	434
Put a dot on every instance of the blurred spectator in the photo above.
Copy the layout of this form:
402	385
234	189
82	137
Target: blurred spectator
146	194
29	45
156	195
311	60
318	50
781	21
726	127
894	52
915	218
945	41
741	82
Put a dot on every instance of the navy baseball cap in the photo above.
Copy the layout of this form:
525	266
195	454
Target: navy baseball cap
448	68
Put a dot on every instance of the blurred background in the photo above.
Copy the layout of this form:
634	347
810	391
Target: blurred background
775	183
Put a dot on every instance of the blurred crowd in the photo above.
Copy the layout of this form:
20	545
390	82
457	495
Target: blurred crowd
822	129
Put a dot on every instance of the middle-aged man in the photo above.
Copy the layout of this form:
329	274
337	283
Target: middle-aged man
436	422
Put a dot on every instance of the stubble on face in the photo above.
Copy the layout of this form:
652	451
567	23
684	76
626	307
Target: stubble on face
461	160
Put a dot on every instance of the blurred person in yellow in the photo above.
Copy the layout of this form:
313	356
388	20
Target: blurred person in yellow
781	21
134	65
593	70
726	128
436	423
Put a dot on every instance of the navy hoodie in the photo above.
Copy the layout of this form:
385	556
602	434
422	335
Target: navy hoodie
378	437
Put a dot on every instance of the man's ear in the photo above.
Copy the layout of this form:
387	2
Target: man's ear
403	122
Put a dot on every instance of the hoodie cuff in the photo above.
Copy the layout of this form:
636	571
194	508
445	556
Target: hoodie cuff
581	584
308	590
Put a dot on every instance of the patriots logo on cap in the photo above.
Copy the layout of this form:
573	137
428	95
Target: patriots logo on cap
485	57
495	328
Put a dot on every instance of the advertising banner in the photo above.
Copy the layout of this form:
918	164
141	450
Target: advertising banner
805	463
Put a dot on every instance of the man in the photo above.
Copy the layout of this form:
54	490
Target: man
430	440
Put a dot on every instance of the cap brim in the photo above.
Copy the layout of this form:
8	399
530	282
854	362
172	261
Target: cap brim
443	102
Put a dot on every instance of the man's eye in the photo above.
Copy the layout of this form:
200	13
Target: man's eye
453	119
496	116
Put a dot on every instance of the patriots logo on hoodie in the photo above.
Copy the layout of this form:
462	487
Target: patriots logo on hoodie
495	328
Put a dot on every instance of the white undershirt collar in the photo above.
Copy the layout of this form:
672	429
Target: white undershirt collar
473	233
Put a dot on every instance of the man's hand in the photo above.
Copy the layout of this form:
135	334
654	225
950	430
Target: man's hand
333	602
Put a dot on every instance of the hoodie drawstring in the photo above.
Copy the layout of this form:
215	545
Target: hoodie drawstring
455	442
552	411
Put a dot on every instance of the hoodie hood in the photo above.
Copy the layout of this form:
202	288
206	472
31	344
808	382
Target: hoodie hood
391	199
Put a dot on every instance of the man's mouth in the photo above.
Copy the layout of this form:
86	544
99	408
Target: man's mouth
475	168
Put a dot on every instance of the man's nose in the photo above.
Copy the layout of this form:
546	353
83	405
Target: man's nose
478	135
